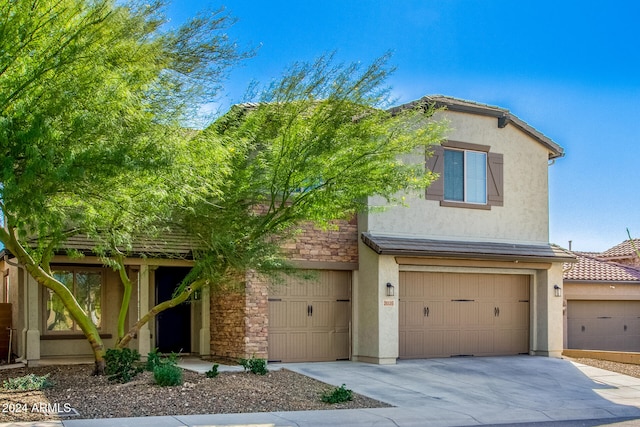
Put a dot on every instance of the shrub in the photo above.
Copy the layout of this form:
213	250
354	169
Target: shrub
255	365
155	359
213	372
28	382
337	395
122	364
167	375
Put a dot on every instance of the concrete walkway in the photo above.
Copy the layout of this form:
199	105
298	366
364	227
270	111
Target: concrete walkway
440	392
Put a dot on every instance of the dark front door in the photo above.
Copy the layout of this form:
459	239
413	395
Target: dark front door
173	326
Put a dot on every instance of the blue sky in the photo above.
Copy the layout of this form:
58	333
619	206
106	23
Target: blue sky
571	69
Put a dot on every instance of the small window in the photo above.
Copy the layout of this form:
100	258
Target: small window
86	286
469	176
465	176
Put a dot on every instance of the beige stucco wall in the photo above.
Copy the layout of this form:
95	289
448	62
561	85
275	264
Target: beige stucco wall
522	219
376	331
547	312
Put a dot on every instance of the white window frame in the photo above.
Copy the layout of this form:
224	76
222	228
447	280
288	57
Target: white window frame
465	185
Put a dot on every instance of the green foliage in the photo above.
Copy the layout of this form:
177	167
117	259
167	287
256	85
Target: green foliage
213	372
28	382
167	375
94	96
155	359
254	365
337	395
122	364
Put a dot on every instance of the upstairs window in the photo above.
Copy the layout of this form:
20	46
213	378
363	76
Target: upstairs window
470	176
465	176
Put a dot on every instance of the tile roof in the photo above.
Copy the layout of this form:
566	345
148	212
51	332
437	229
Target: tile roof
503	115
170	244
591	268
622	250
406	246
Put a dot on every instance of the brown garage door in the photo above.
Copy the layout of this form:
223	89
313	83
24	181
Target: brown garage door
603	325
309	319
450	314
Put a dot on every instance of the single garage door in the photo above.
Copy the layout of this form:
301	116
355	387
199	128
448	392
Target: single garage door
450	314
603	325
309	320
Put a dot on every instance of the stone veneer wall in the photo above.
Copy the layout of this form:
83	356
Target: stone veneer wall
338	244
239	321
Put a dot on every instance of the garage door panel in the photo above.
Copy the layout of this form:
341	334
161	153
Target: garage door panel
412	314
297	314
486	314
603	325
414	343
451	342
468	314
320	314
451	314
312	318
478	314
434	313
297	346
468	343
486	343
277	345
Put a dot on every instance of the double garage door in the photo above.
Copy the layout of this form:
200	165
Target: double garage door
309	320
603	325
451	314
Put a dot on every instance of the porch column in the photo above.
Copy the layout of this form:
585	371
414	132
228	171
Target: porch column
32	308
205	324
548	318
144	335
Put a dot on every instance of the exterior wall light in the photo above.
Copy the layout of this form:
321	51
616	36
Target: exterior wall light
390	290
557	290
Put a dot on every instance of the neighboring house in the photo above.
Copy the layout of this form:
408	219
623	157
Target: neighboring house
465	269
602	299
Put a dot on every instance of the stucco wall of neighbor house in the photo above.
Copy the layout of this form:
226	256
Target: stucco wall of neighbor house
522	219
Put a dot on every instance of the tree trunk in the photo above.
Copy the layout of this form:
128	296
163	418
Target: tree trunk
68	299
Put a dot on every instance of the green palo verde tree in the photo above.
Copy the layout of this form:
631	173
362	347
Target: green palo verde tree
91	97
311	147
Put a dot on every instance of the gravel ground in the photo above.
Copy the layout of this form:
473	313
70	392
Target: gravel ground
96	397
622	368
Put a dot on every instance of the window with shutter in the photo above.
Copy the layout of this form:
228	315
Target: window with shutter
468	176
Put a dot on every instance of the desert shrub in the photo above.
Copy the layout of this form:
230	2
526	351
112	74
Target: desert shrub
122	364
167	375
28	382
337	395
254	365
213	372
155	359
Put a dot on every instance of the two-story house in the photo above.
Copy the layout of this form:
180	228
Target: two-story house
465	269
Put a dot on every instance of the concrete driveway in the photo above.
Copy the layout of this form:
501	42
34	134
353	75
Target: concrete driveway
485	390
441	393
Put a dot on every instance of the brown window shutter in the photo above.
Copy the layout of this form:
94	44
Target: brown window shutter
495	179
435	163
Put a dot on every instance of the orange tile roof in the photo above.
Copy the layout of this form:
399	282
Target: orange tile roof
591	268
622	250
